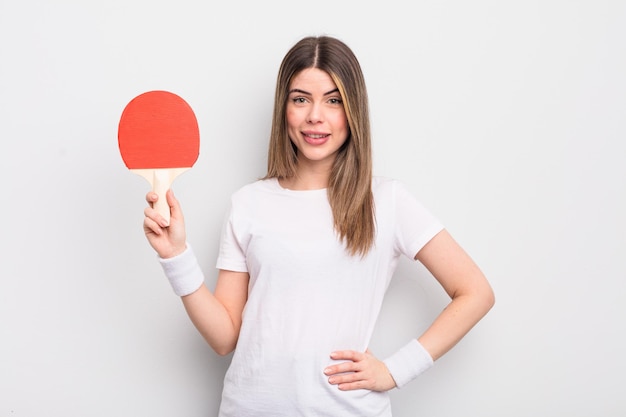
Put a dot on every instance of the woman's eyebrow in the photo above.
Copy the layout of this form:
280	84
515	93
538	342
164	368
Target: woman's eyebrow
297	90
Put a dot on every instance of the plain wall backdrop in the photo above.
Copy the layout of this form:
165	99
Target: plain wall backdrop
506	119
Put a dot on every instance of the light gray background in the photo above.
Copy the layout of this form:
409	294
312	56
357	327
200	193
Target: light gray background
507	119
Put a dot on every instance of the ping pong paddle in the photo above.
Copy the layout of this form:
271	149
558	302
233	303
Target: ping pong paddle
159	139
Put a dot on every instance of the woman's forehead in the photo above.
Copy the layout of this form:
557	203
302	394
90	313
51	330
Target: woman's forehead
313	80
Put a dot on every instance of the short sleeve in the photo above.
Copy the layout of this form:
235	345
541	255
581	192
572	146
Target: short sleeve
231	256
415	225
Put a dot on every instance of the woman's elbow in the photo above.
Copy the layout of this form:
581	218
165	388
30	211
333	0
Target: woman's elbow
488	298
223	351
223	345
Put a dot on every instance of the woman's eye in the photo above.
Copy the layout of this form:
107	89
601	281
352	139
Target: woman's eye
298	100
335	101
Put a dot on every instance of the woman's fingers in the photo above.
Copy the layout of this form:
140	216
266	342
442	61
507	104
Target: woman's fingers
152	214
151	198
351	357
348	355
167	239
360	371
174	205
149	225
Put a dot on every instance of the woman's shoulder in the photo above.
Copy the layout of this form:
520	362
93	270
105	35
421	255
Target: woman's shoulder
391	189
381	184
255	188
396	197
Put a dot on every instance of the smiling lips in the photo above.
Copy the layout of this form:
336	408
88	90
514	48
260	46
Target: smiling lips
315	138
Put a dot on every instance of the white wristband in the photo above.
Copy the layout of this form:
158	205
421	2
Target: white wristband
408	362
183	272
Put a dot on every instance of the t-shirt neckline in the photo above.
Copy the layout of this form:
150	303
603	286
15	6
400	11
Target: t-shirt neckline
280	188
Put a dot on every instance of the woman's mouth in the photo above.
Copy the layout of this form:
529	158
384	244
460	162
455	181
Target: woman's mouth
316	138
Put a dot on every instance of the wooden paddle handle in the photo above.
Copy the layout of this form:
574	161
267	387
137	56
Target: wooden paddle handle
161	180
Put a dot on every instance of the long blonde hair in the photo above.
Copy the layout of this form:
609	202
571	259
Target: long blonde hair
350	184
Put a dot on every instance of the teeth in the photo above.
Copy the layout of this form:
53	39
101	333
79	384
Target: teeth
317	136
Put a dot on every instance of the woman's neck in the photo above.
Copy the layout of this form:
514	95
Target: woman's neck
307	178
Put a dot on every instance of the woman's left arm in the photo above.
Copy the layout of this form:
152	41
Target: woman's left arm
471	294
472	297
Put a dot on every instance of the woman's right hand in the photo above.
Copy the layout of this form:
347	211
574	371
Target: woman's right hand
167	241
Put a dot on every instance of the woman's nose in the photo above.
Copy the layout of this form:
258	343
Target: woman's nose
315	114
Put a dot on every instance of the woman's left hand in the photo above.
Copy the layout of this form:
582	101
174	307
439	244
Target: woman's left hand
362	370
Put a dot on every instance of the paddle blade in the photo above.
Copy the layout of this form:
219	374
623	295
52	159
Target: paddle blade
158	129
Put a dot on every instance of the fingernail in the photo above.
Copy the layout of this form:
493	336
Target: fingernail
327	371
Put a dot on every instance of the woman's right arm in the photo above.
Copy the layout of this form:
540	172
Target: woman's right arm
217	316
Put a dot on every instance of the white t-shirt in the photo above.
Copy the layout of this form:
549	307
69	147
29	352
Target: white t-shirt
308	296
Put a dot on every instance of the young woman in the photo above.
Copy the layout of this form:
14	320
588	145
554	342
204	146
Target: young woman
306	256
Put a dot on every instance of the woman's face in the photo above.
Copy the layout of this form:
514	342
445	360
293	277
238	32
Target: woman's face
316	120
